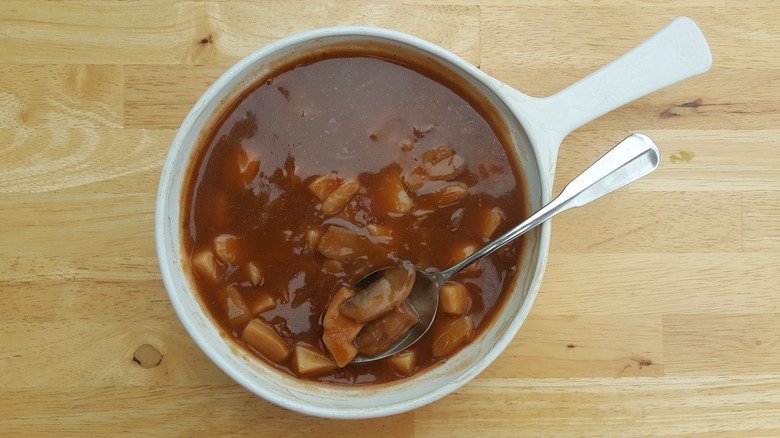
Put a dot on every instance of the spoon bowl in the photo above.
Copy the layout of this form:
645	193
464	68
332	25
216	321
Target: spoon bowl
424	300
634	157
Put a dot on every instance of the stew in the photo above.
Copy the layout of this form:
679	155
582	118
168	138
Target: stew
332	166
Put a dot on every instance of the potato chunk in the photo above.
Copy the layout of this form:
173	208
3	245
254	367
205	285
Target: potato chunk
323	185
401	202
463	251
381	334
339	197
491	219
313	238
381	233
452	336
248	165
381	296
391	198
263	303
403	362
205	264
237	311
453	298
227	247
339	331
255	273
443	194
333	267
266	340
309	362
338	243
378	230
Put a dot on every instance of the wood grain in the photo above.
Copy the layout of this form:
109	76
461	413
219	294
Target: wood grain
584	346
639	406
709	345
717	160
79	160
761	211
457	27
534	35
628	221
97	32
660	283
159	97
76	96
712	160
172	33
223	409
659	310
96	224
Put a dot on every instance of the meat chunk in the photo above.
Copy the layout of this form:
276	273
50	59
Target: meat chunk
339	332
381	296
381	334
442	163
421	131
438	164
338	243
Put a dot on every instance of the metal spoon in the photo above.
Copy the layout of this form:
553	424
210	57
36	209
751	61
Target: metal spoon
632	158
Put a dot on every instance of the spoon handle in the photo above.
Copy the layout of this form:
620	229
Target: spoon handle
632	158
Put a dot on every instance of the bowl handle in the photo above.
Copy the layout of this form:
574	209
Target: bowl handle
677	52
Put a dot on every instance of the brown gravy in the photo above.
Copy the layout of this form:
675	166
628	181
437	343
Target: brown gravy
251	220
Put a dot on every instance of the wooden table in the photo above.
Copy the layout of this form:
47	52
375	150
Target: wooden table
660	310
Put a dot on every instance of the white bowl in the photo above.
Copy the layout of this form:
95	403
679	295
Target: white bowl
537	127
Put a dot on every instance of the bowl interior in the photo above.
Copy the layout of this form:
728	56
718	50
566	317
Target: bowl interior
323	399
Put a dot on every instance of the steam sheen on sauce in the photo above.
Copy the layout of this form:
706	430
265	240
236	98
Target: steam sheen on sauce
342	149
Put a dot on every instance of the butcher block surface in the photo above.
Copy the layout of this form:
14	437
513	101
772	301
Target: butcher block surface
659	313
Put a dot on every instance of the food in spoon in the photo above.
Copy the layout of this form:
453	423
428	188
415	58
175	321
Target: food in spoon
339	331
382	296
382	333
334	165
